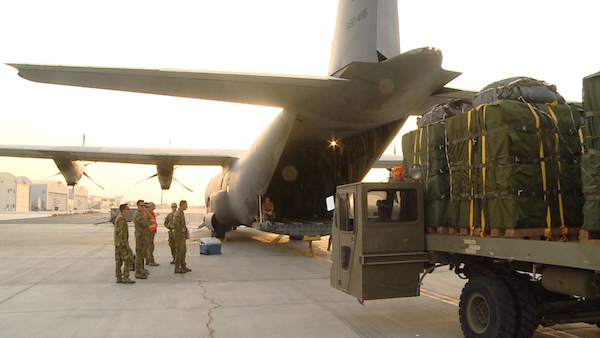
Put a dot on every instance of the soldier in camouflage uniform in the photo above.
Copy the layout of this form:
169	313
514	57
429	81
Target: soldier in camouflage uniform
151	234
169	225
142	232
123	253
180	234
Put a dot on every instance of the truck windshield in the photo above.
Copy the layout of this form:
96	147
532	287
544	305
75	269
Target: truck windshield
392	205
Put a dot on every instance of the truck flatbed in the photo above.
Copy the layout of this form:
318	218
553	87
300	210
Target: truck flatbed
568	254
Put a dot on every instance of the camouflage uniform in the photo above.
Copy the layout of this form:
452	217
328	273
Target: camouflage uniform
168	225
142	232
151	235
180	234
123	254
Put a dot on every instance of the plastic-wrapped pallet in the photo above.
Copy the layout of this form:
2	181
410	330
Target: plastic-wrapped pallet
515	165
590	160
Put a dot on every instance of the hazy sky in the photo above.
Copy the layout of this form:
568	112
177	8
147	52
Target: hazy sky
553	41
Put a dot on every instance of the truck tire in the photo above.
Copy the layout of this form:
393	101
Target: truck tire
487	309
526	306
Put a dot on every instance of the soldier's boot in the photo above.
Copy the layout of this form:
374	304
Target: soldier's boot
153	263
179	270
186	268
126	280
173	261
140	275
119	279
146	271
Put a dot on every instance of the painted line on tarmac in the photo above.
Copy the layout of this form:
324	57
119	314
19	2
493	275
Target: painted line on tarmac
439	297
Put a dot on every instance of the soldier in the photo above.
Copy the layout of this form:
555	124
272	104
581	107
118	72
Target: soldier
169	225
180	234
153	226
142	223
123	253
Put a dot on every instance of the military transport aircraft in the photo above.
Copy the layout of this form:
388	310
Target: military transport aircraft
331	130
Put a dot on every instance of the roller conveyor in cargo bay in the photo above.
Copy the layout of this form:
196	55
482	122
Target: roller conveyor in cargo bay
296	228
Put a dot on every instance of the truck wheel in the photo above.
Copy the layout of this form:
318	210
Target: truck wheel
487	309
526	306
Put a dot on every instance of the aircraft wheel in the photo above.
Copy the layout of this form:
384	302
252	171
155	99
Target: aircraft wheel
526	306
487	308
296	237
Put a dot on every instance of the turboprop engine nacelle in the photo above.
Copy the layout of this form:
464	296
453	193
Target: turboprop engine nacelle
71	170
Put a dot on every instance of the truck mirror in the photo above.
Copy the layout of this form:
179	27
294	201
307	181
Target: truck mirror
329	201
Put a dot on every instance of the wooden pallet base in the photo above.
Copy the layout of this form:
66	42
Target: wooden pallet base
450	231
574	233
590	237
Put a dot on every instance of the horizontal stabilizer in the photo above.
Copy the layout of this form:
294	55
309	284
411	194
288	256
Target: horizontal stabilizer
251	88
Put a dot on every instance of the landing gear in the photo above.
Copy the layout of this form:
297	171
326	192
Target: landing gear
487	309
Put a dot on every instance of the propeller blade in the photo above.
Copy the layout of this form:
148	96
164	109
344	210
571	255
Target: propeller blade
52	175
161	196
88	176
83	143
147	178
85	165
182	184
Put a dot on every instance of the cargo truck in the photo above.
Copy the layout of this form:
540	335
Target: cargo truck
382	249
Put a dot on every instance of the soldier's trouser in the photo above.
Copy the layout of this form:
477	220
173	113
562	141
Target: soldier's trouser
140	251
150	253
172	243
123	256
180	250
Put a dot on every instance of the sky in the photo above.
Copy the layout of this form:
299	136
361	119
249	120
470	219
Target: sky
552	41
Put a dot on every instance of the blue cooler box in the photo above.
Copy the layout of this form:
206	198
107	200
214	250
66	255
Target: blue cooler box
210	246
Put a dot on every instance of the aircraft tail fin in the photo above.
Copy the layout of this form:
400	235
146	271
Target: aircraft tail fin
365	30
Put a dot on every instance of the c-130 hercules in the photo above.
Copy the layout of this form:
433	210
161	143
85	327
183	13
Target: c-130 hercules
361	105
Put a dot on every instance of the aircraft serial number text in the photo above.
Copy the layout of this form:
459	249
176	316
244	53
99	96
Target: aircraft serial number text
362	15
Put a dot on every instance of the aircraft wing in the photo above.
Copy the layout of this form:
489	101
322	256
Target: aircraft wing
125	155
258	89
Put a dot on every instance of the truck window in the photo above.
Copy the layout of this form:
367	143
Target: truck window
392	205
345	211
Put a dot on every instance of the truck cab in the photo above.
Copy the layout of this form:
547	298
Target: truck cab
378	240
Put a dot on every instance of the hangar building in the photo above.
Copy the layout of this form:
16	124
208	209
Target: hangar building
49	196
14	192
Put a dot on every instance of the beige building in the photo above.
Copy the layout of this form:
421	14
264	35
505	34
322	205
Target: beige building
78	198
50	196
14	192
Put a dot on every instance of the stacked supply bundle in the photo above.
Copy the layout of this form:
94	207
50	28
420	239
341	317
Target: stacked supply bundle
590	161
515	163
426	146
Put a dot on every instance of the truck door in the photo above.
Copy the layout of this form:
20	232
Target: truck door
344	238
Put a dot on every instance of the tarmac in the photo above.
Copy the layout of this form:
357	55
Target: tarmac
57	280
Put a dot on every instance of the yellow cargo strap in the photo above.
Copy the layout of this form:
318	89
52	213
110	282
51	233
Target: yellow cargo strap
470	151
563	229
482	204
548	231
417	149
